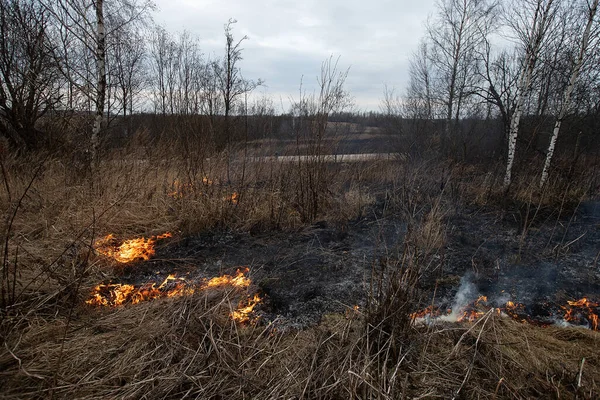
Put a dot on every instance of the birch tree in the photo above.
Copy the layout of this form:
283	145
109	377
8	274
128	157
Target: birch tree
83	25
531	21
100	75
577	63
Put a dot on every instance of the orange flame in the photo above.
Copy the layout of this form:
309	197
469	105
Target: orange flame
351	313
238	280
470	313
242	314
475	312
179	189
233	199
431	311
119	294
582	308
578	311
129	250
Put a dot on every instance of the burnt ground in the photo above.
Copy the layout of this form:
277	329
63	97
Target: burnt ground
326	268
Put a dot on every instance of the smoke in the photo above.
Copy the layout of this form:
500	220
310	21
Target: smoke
502	299
466	294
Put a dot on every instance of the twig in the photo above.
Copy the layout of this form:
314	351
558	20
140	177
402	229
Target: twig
580	373
498	387
5	176
21	364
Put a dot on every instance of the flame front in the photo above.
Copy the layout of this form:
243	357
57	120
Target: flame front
242	314
581	309
129	250
239	280
172	286
581	312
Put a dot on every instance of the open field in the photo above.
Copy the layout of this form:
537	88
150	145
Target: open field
336	263
195	208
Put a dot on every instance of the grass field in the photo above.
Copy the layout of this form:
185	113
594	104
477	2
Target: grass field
54	345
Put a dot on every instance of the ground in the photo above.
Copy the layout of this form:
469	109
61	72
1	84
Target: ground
327	267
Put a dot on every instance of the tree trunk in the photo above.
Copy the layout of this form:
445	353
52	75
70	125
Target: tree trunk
514	123
569	90
541	22
101	77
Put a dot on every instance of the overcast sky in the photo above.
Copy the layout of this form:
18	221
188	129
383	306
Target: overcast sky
289	40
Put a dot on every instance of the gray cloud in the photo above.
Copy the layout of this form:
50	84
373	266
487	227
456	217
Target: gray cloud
289	40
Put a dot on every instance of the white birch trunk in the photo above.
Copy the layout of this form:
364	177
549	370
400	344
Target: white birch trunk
101	76
541	21
569	90
522	87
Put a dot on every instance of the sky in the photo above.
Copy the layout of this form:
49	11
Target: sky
289	40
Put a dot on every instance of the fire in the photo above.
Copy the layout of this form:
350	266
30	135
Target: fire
242	314
172	286
581	309
471	312
430	311
118	294
179	189
233	199
475	312
513	310
239	280
580	312
128	250
351	313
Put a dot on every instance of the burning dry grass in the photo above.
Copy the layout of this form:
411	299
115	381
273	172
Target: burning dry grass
119	294
581	312
499	358
127	251
186	347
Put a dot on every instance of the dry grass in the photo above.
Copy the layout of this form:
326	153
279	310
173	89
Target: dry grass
55	347
187	348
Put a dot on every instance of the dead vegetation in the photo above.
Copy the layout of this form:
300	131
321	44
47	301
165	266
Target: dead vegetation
54	346
187	348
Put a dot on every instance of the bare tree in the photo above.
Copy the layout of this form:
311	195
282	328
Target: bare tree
499	75
231	83
85	24
210	101
160	49
128	53
586	37
190	70
126	68
531	21
455	35
29	84
312	112
419	101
